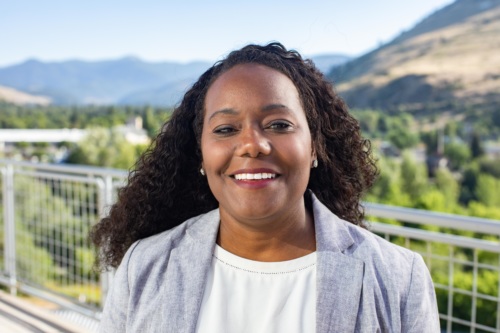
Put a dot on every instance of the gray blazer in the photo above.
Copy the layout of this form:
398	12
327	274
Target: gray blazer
364	283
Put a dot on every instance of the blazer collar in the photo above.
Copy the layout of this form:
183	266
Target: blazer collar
339	275
187	270
332	233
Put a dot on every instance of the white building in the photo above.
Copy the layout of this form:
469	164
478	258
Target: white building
132	134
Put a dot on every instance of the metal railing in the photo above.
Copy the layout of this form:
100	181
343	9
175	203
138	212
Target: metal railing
47	210
463	256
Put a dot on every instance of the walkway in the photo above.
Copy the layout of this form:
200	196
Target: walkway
20	316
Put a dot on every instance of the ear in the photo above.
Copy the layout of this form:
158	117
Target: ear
314	160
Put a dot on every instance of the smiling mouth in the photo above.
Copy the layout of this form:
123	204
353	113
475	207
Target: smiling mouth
254	176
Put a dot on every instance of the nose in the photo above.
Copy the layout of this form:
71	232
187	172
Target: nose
253	143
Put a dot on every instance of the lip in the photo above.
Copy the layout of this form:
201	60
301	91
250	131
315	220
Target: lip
254	183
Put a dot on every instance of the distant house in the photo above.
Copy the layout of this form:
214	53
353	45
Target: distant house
388	149
435	162
492	151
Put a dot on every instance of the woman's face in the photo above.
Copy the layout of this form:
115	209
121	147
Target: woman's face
256	145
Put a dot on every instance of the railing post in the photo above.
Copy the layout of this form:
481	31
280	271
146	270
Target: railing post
498	297
451	272
9	227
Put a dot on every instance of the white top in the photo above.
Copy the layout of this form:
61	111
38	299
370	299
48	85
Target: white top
243	295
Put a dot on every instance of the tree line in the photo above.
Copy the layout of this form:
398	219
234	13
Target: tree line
54	117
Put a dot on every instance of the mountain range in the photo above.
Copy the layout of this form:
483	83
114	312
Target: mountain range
450	59
18	97
124	81
100	82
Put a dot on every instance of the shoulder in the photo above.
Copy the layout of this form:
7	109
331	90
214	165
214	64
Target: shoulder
157	248
376	250
386	265
383	260
337	235
394	278
400	277
396	273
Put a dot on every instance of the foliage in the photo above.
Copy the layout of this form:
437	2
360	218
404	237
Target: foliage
406	183
33	261
52	220
104	147
480	210
476	147
45	117
402	138
414	177
396	129
458	154
449	187
469	183
487	190
490	167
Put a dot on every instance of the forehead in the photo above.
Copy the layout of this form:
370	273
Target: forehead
248	82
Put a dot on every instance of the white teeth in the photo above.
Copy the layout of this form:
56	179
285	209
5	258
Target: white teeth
251	176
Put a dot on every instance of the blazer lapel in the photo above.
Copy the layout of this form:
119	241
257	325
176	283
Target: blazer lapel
339	276
339	280
186	273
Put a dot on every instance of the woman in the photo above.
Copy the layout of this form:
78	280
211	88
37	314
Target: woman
235	218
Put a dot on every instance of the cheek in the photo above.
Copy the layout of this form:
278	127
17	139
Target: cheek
215	155
205	149
303	149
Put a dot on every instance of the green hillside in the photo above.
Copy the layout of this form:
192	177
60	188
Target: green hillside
449	61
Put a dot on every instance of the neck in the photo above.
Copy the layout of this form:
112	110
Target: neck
287	237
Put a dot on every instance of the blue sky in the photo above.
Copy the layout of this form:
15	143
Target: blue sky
187	30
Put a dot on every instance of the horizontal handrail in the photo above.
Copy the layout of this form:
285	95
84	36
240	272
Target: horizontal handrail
426	235
70	168
420	216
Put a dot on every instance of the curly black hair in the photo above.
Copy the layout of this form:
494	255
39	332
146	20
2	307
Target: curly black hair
165	187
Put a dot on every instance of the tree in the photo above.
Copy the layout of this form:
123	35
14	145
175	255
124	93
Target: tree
431	141
104	147
449	187
368	120
469	183
487	190
414	177
21	145
402	138
451	129
476	146
490	167
383	124
458	154
150	124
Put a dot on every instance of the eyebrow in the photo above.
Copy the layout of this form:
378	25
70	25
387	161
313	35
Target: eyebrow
271	107
233	112
223	111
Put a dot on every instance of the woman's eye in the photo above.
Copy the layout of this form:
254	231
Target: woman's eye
224	130
280	126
